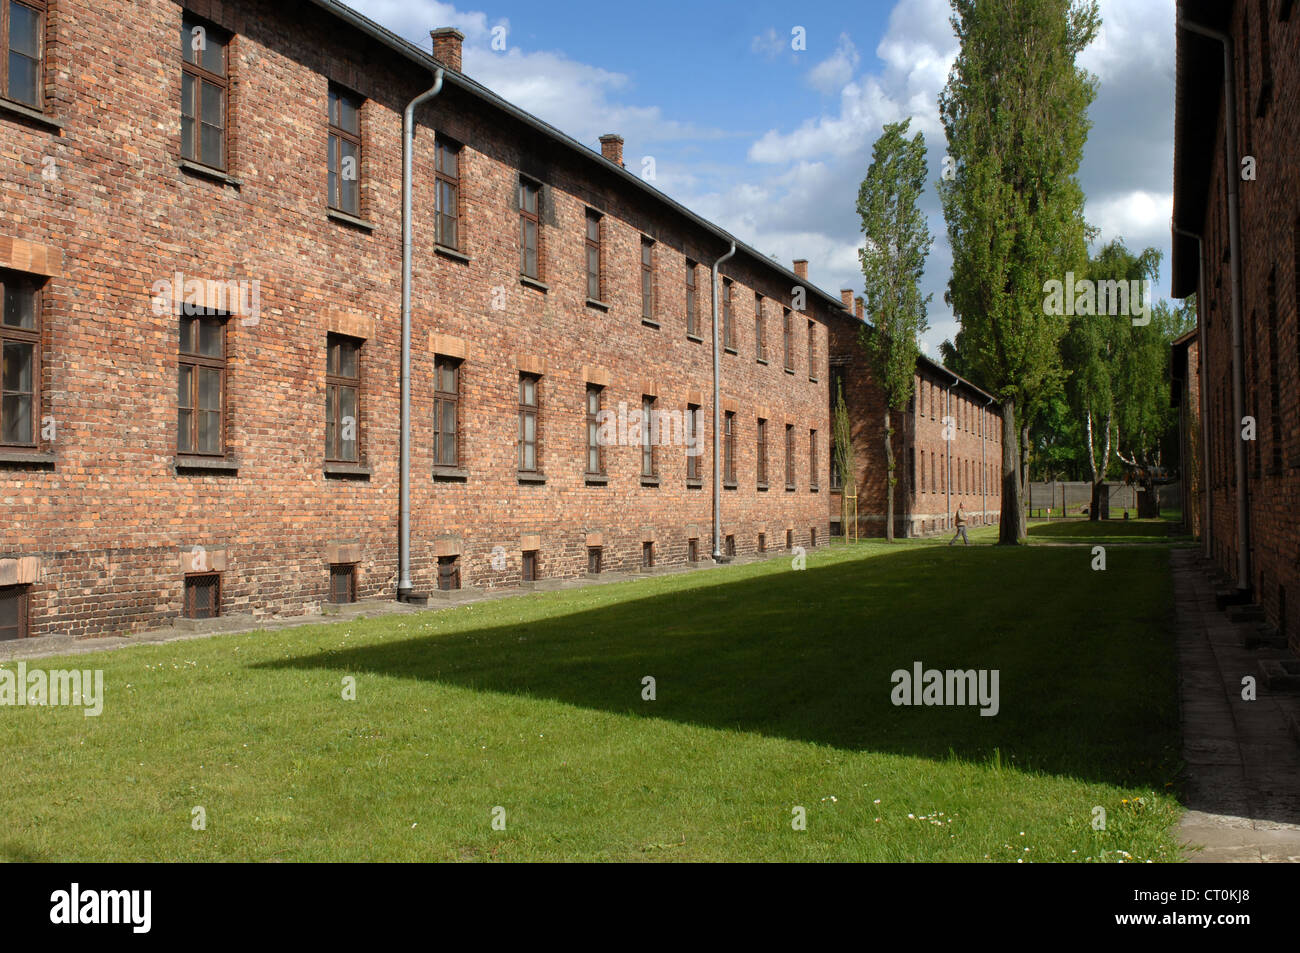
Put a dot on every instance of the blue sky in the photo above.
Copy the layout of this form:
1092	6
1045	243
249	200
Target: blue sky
771	143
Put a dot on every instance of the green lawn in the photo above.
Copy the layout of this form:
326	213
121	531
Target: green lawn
1085	531
773	692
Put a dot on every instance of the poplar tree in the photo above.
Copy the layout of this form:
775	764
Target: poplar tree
893	260
1014	110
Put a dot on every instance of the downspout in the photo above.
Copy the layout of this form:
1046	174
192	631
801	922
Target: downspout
404	587
717	417
1234	244
1208	530
984	462
947	413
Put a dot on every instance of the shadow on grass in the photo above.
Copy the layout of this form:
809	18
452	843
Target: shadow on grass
1086	679
1120	531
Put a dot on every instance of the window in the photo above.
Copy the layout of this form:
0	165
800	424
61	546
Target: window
13	613
789	456
204	88
528	406
789	539
528	570
729	448
692	441
345	151
1265	62
446	412
647	279
202	385
761	465
593	255
530	225
692	303
788	336
760	332
446	196
20	360
1275	384
693	550
343	399
812	460
595	453
812	350
647	555
812	537
22	29
448	573
762	542
203	596
730	544
728	325
593	560
343	583
649	437
922	479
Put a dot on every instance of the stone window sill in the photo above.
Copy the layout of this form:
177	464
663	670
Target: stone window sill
729	484
207	172
531	476
649	480
694	337
761	360
531	282
762	487
730	349
341	469
790	371
814	488
31	115
344	218
598	305
790	488
596	479
650	323
183	462
26	458
446	251
694	483
459	474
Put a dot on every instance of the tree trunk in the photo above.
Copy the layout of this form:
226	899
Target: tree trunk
889	481
1024	478
1095	497
1012	508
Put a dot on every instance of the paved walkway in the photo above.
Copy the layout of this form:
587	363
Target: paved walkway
1243	758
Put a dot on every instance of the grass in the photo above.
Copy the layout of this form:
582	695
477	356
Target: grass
1085	531
773	692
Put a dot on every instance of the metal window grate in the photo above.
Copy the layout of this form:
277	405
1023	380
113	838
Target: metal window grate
593	560
530	566
13	613
203	596
647	555
343	583
448	573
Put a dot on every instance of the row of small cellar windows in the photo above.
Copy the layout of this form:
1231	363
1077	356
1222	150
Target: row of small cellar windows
203	590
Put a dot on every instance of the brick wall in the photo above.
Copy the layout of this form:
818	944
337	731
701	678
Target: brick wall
113	521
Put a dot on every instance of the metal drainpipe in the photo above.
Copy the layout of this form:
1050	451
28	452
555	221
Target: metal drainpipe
1208	530
404	586
1234	244
717	416
947	403
984	462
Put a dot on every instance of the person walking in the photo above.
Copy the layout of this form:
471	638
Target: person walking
961	525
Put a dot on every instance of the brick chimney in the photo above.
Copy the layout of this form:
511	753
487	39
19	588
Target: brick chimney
860	309
611	147
846	299
446	46
801	268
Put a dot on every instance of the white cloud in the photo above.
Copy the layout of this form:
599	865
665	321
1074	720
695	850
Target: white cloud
770	44
834	72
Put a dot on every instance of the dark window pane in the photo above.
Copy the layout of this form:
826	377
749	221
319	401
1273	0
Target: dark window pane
209	388
185	386
350	174
184	423
23	79
211	147
24	30
209	432
18	360
20	308
187	95
350	115
348	421
348	352
214	54
17	414
211	338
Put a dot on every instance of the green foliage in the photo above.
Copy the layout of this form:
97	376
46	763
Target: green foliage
843	449
893	259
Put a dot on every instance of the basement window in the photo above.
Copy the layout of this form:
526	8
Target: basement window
448	573
343	583
789	539
762	542
647	555
593	560
693	550
13	613
731	546
529	573
203	596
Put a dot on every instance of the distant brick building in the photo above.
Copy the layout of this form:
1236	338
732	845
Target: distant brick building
939	463
200	250
1237	245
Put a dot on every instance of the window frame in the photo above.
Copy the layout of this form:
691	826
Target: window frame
441	397
343	570
530	186
41	9
728	317
729	447
452	577
814	470
336	136
691	426
189	611
787	330
529	565
442	147
17	335
194	361
692	299
648	279
532	411
339	381
202	75
22	593
593	252
790	483
594	447
812	350
649	458
761	441
760	329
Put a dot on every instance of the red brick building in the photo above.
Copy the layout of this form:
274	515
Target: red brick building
200	255
1237	246
947	443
